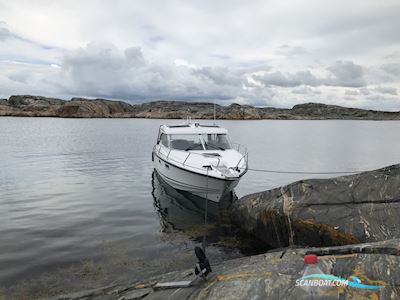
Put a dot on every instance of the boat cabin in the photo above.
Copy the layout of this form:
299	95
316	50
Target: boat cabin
194	137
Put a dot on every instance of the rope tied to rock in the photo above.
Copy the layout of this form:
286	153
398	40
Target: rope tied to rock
205	213
303	172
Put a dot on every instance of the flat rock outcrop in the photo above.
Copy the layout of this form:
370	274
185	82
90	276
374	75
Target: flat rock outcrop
98	108
315	110
273	276
325	212
38	106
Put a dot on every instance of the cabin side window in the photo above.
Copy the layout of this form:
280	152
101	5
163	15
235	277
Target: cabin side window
164	139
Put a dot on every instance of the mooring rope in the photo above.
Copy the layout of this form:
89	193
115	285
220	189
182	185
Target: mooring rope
302	172
205	215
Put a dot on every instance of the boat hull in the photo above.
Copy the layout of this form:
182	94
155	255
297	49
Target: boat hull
198	184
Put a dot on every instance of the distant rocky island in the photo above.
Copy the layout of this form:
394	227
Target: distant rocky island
38	106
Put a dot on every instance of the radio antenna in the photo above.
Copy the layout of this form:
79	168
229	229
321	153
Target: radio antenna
214	112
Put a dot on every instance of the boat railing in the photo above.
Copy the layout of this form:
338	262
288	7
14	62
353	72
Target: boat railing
242	150
217	161
184	163
202	155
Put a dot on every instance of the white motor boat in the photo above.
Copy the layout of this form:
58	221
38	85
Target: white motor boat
199	159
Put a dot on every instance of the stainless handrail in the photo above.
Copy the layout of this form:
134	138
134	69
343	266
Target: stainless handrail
184	162
219	160
243	151
186	158
202	154
240	148
244	156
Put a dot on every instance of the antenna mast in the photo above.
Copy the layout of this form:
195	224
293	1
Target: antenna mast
214	112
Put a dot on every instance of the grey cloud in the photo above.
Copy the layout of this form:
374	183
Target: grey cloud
386	90
364	91
20	77
134	57
346	73
220	75
103	70
362	28
104	57
377	22
393	69
290	51
14	47
376	92
277	78
156	38
378	101
220	56
393	55
5	34
303	90
342	73
352	93
224	42
348	98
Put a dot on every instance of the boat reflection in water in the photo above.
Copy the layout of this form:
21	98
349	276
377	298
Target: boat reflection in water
183	211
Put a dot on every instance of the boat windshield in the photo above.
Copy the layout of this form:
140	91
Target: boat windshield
216	141
188	142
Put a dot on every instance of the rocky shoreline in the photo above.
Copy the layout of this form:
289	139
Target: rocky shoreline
38	106
272	276
351	222
352	209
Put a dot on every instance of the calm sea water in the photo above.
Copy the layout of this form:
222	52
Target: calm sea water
70	188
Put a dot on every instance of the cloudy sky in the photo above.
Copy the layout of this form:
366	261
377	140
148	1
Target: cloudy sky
265	53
